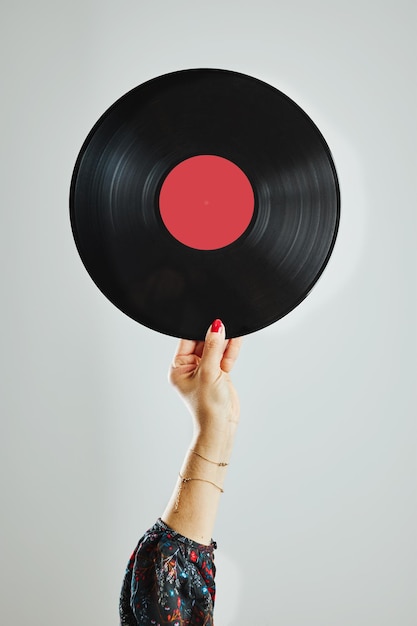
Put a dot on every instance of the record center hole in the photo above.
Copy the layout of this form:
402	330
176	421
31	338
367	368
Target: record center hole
206	202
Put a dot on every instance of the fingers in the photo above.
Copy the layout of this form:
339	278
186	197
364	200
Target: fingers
185	346
188	352
213	350
185	359
182	365
230	354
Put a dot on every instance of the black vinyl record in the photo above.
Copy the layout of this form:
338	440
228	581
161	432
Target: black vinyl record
205	194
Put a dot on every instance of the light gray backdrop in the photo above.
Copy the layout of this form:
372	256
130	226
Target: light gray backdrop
317	523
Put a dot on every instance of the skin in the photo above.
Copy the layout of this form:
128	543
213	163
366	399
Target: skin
200	372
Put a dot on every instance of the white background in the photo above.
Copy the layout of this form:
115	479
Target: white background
317	523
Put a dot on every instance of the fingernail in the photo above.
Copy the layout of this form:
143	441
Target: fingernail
216	326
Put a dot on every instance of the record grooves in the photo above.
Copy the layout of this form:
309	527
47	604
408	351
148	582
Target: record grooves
205	194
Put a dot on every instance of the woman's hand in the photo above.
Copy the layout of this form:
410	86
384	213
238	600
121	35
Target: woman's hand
200	373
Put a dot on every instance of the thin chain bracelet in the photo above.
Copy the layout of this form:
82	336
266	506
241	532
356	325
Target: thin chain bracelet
187	480
203	457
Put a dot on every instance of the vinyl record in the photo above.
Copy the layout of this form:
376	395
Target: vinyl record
205	194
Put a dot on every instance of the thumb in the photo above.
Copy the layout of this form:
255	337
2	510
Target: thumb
213	349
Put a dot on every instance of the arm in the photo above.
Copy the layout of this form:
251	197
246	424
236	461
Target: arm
200	373
170	575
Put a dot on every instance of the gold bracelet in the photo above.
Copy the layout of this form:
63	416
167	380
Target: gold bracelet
185	480
203	457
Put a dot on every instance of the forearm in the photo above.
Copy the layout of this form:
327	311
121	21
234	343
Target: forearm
193	506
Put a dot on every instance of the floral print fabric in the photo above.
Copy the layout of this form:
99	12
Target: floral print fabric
169	580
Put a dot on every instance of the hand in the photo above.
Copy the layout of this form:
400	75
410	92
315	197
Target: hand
200	373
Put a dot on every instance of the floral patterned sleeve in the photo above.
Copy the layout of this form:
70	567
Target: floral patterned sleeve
169	580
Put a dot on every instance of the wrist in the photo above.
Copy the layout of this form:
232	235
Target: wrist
216	445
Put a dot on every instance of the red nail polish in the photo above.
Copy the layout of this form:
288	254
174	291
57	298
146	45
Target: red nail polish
216	326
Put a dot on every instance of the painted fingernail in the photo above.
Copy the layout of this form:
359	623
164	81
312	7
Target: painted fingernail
216	326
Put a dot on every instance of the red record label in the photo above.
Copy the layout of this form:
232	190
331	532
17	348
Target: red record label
206	202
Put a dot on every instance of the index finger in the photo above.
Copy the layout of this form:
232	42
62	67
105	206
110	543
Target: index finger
230	354
189	346
186	347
